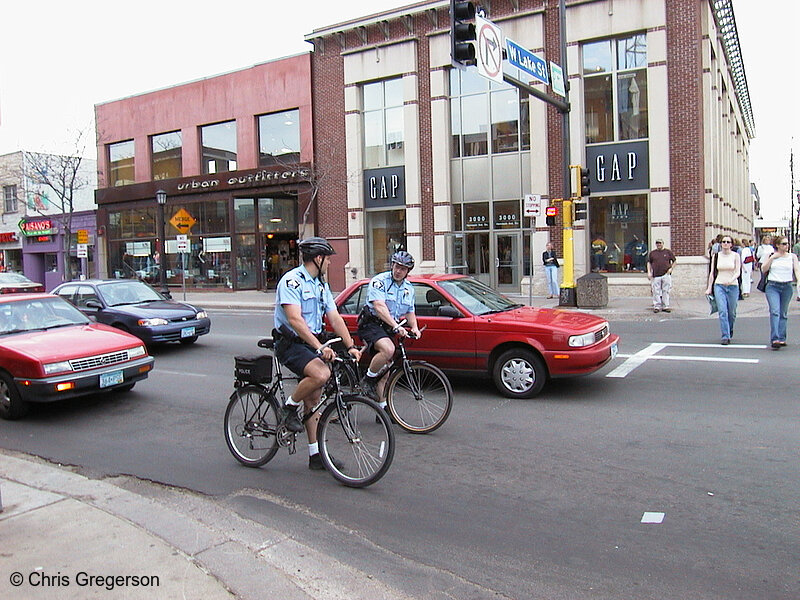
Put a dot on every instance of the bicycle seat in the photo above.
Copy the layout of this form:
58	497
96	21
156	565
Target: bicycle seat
266	343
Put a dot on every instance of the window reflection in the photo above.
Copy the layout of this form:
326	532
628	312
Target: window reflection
219	147
279	137
166	152
120	163
383	124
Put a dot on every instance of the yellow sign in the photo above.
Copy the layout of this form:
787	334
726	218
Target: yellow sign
182	221
83	236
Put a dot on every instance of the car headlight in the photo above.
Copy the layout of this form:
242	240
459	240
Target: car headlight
135	352
152	322
577	341
202	315
57	367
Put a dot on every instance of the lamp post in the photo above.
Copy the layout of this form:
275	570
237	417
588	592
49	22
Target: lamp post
161	246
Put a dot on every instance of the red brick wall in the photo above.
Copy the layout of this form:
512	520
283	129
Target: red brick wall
685	101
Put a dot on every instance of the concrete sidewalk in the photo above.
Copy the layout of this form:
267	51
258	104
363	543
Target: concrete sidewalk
67	536
627	308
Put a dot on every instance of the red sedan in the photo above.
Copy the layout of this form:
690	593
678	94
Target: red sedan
50	351
470	327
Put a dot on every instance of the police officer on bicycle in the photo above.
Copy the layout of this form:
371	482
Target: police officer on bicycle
303	298
389	301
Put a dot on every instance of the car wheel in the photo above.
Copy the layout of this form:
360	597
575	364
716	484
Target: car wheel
12	406
519	373
189	340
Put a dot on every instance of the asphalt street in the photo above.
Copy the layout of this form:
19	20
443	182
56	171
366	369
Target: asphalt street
516	499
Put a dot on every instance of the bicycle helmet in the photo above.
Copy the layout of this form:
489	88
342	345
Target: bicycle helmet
404	259
315	246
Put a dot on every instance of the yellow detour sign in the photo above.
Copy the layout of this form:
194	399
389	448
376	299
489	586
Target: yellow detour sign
182	221
83	236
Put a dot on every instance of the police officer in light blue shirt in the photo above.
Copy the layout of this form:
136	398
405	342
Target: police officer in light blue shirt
302	299
389	301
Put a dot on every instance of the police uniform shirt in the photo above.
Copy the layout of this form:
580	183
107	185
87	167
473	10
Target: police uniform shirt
399	298
313	297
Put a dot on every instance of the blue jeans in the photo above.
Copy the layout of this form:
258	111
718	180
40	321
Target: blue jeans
551	272
727	297
779	295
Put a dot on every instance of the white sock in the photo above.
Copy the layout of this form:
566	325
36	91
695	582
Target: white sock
313	449
371	374
382	404
291	401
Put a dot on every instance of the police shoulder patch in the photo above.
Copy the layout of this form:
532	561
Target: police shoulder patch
292	283
377	284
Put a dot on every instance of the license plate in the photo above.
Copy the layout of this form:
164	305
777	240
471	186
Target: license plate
109	379
187	332
614	350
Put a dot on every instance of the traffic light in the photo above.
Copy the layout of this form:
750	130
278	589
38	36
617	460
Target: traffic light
462	33
585	191
551	212
579	210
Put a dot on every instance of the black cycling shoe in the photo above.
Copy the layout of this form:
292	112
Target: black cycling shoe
315	463
369	385
291	419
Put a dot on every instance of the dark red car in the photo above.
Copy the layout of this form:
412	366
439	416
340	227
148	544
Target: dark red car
50	351
470	327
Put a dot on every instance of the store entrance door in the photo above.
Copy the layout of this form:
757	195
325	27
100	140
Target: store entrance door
278	255
507	261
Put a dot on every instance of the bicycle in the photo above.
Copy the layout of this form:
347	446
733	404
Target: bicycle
418	394
351	427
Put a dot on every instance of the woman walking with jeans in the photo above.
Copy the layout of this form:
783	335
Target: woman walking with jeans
780	266
726	266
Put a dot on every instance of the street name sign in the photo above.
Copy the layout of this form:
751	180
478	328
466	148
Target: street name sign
527	61
489	49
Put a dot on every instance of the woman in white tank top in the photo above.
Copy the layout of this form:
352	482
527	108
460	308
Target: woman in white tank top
782	267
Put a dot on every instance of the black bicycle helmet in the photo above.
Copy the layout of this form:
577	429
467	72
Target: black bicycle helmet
315	246
404	259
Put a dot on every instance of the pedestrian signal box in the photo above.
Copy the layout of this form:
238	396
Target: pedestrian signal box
551	212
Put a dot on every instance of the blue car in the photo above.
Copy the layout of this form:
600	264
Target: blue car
135	307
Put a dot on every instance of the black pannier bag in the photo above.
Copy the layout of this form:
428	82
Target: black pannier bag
253	369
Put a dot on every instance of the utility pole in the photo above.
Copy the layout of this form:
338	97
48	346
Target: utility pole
567	297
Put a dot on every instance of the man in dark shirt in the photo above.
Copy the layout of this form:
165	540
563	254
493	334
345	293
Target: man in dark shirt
659	272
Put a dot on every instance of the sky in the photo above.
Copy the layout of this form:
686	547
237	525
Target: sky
58	59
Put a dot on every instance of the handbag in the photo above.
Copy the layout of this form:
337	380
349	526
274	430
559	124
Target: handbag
762	283
712	302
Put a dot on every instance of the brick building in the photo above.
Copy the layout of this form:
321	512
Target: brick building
233	153
437	160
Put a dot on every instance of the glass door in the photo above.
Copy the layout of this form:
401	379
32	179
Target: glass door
507	261
478	263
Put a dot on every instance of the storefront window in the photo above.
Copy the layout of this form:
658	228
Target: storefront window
120	163
219	147
132	223
244	214
506	214
386	232
476	216
209	217
618	229
279	138
246	262
383	124
615	89
166	151
277	215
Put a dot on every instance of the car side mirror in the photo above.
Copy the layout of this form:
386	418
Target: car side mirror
449	311
93	304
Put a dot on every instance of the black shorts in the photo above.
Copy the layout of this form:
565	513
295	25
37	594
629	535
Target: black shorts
372	331
295	355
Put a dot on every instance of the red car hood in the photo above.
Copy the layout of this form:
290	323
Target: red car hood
60	344
551	318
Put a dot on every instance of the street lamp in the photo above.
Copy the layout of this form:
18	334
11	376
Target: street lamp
161	246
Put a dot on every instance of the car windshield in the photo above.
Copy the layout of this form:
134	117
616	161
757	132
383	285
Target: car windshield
477	297
117	293
38	314
13	278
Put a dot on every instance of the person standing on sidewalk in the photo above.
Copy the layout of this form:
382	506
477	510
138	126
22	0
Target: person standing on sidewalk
748	259
551	270
659	272
780	267
723	281
301	300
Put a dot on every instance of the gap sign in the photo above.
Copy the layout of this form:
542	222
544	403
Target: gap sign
527	61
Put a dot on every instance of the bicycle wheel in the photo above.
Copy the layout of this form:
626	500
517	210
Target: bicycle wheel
419	397
251	423
356	448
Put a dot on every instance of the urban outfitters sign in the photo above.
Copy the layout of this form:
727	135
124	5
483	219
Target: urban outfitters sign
619	167
385	187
